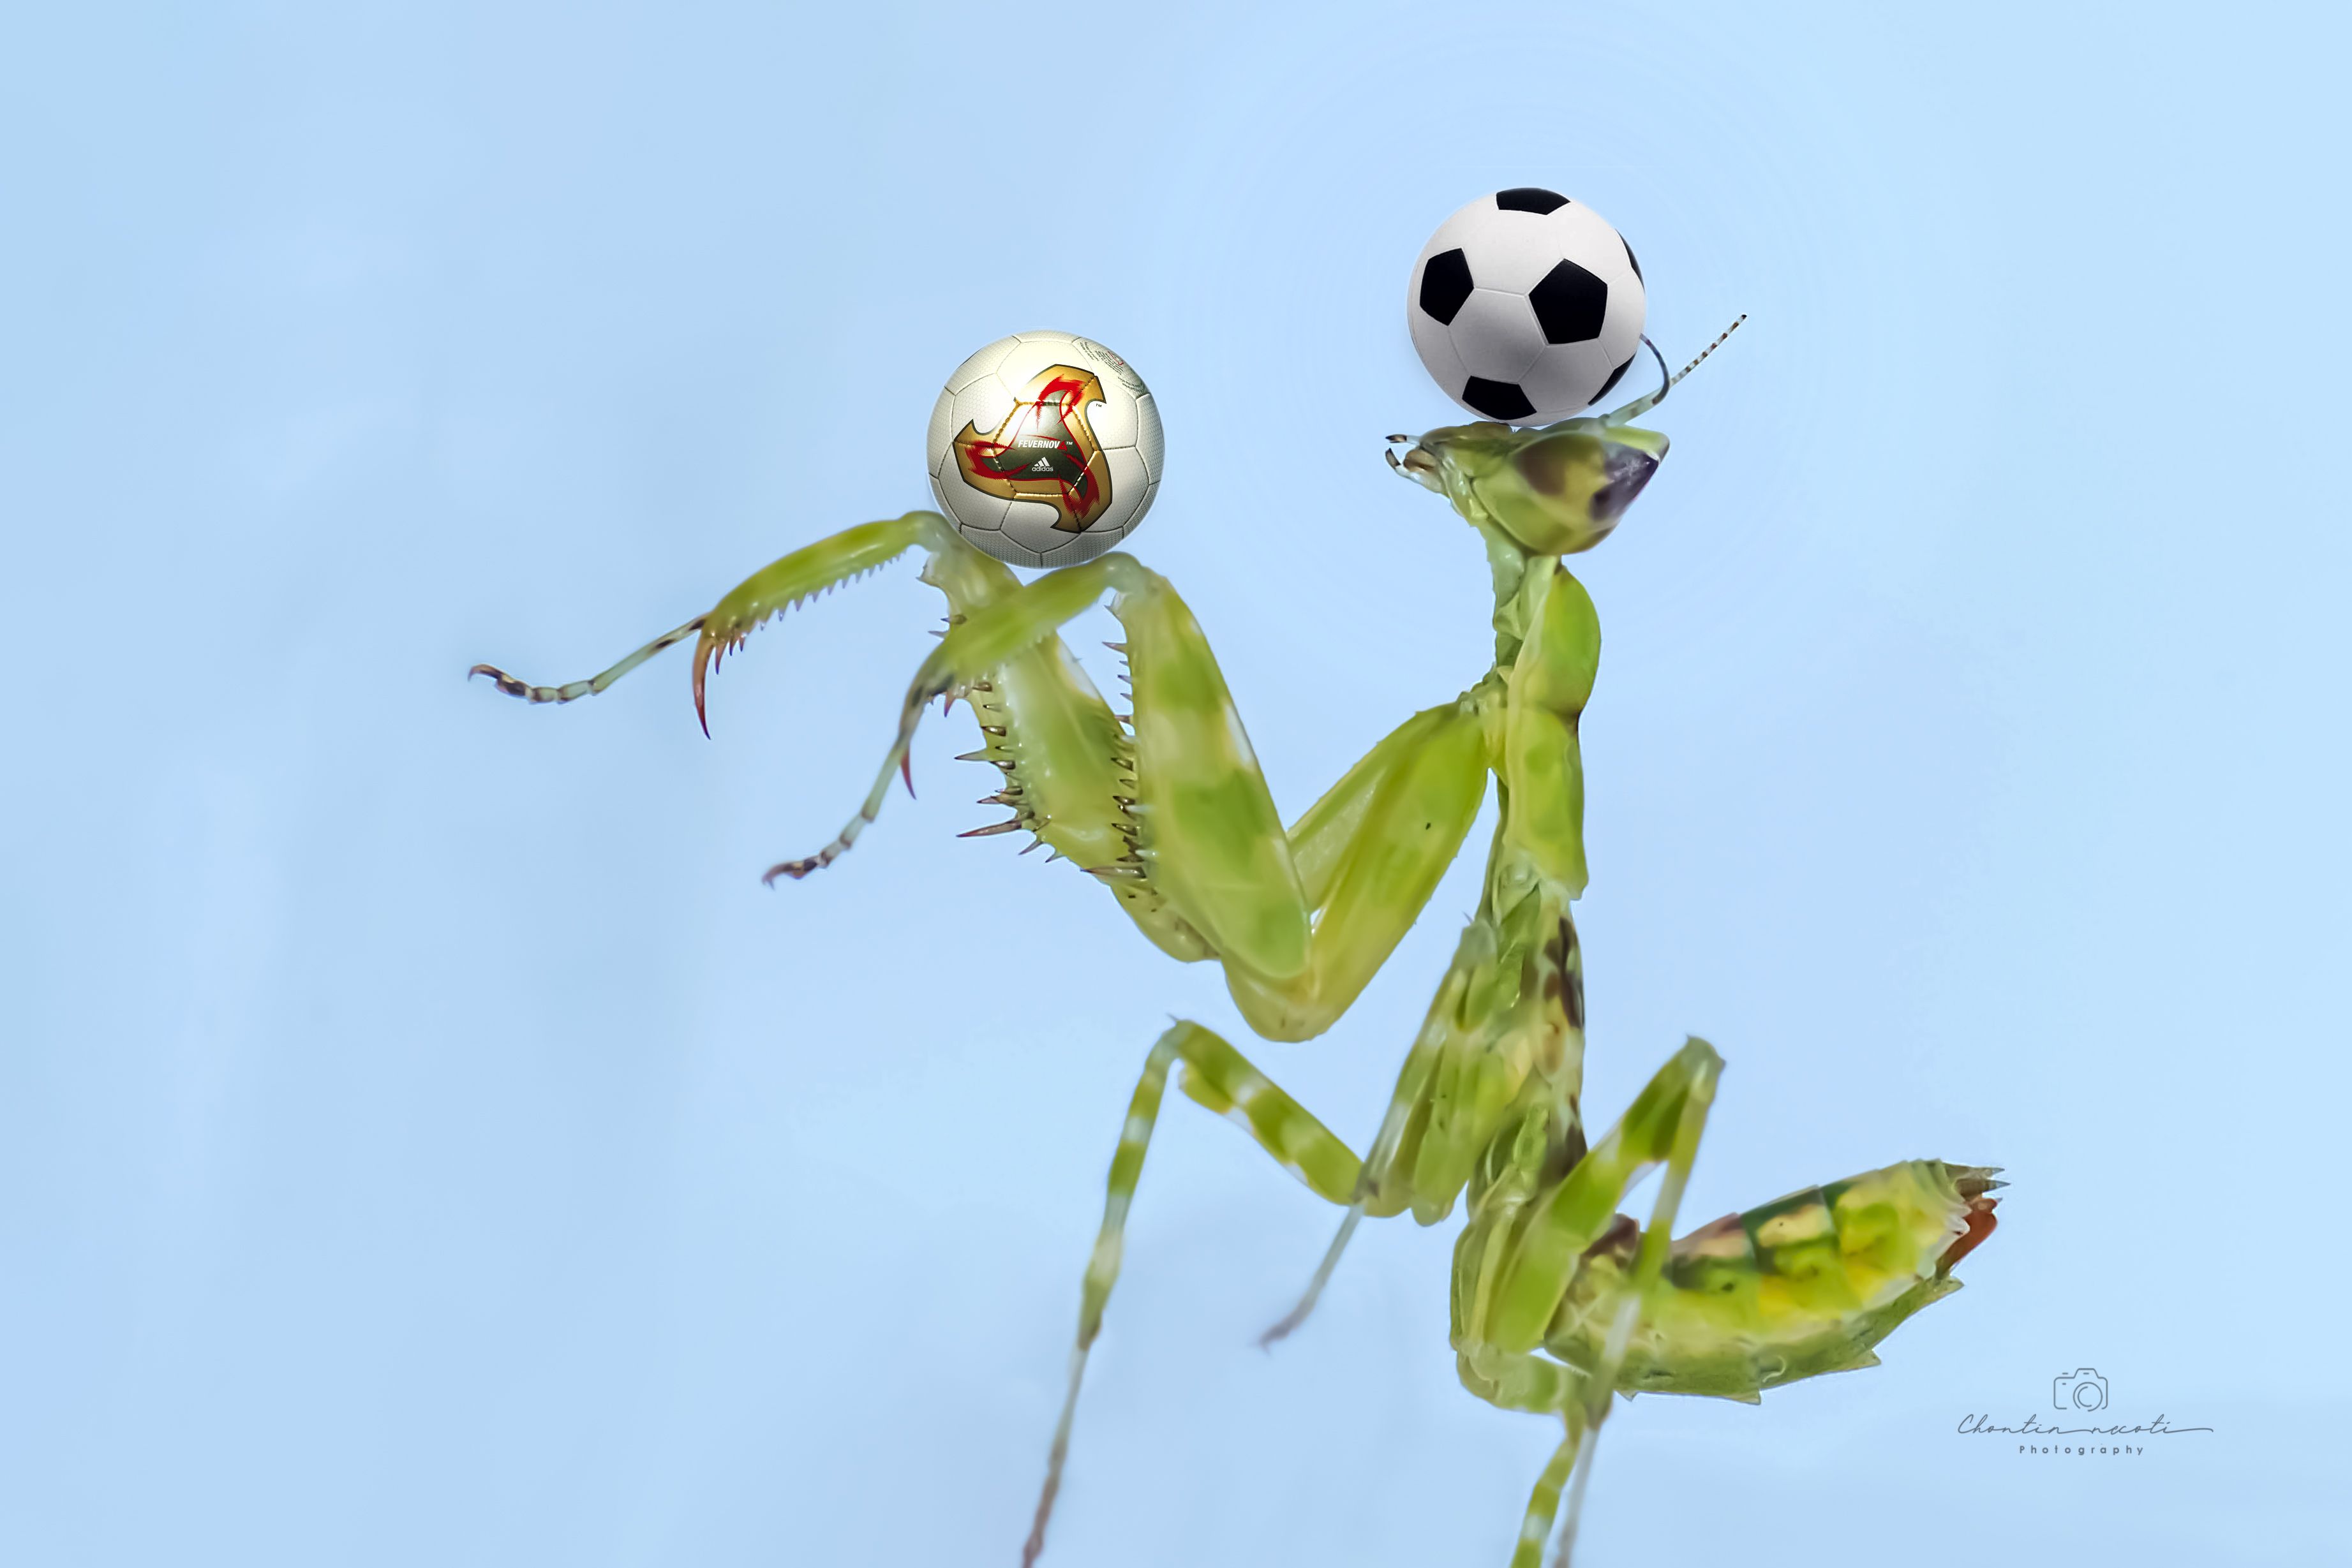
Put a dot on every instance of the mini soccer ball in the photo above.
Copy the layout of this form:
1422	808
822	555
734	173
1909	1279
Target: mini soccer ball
1045	449
1526	306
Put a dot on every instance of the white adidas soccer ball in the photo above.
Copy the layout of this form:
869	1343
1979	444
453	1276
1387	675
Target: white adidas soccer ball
1045	449
1526	306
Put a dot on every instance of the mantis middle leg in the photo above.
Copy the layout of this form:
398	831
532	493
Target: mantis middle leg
1218	1076
1478	1055
1506	1257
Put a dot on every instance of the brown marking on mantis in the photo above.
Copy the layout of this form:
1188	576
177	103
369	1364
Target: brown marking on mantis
1619	1240
1544	465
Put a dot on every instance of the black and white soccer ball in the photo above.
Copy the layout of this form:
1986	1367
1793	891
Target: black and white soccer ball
1526	306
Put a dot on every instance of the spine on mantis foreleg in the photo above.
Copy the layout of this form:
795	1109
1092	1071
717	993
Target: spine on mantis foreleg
821	567
1803	1285
775	587
1070	778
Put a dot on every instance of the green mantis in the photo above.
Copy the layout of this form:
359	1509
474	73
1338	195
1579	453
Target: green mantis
1558	1300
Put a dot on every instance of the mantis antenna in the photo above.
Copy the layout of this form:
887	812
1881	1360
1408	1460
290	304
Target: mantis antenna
1643	405
1632	411
1703	354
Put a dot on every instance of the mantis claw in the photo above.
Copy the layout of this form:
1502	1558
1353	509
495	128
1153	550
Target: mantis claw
707	652
500	679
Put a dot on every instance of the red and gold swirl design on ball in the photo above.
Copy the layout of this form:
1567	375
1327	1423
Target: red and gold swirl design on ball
1043	450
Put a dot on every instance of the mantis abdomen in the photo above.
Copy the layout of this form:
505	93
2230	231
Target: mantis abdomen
1803	1285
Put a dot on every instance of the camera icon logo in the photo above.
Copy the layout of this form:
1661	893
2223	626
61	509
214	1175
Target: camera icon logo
2082	1389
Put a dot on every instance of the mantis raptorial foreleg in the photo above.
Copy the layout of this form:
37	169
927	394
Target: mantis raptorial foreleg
1221	1078
806	572
1169	807
596	685
1205	837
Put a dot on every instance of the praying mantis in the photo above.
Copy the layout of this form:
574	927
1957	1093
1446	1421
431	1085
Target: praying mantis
1558	1301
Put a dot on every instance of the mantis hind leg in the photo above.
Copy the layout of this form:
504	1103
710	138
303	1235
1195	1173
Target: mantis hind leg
1548	1388
1216	1075
1543	1502
1510	1289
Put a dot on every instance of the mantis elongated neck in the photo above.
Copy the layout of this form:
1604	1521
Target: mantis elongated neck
1508	563
1546	652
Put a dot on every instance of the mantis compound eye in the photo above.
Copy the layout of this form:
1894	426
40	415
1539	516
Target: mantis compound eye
1625	470
1558	490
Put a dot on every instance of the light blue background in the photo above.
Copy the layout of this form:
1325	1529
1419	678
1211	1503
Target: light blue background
424	1141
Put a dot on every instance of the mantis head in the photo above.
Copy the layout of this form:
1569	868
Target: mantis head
1556	489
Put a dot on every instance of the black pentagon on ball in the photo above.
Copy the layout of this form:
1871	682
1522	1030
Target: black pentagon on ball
1444	284
1630	259
1569	303
1497	399
1614	377
1529	199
